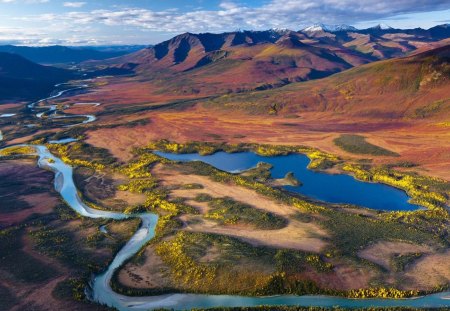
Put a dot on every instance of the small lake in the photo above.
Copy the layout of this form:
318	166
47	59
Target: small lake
7	115
332	188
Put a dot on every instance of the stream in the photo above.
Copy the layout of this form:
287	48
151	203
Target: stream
53	109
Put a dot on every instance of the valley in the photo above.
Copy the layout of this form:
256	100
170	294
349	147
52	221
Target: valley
273	168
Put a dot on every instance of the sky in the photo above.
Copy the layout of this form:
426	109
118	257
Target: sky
120	22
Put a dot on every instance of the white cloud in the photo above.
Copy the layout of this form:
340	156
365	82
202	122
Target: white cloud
74	4
229	16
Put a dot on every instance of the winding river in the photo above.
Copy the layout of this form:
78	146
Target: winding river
52	109
100	290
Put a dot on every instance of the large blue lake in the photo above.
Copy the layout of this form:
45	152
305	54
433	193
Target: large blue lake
332	188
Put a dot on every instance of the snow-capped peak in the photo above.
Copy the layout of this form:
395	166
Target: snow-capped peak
328	28
382	27
280	31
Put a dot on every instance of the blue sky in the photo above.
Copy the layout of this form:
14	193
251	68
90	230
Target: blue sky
44	22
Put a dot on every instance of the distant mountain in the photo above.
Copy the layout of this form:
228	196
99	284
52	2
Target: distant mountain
440	31
381	27
22	79
381	41
328	28
125	49
210	63
62	54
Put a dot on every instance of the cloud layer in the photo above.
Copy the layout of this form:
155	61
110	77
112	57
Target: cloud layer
74	4
228	16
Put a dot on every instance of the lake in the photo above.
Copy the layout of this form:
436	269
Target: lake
331	188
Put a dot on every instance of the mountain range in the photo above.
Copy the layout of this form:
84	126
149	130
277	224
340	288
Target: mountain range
22	79
208	64
62	54
247	60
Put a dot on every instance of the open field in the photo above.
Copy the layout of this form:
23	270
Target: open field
295	234
358	144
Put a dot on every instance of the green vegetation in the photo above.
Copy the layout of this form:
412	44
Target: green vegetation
208	263
416	227
82	154
358	144
74	241
141	181
431	109
290	179
430	192
320	160
72	288
62	244
17	150
381	292
191	186
352	232
203	197
185	268
400	262
229	212
260	173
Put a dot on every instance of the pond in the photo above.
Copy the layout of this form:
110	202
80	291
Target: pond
331	188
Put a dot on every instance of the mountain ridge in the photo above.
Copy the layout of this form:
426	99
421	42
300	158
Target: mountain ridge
56	54
24	79
208	63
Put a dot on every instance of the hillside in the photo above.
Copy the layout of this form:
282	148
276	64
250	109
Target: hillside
410	87
211	64
208	64
22	79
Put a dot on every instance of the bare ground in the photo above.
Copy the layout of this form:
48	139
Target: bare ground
381	253
431	270
296	235
151	274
